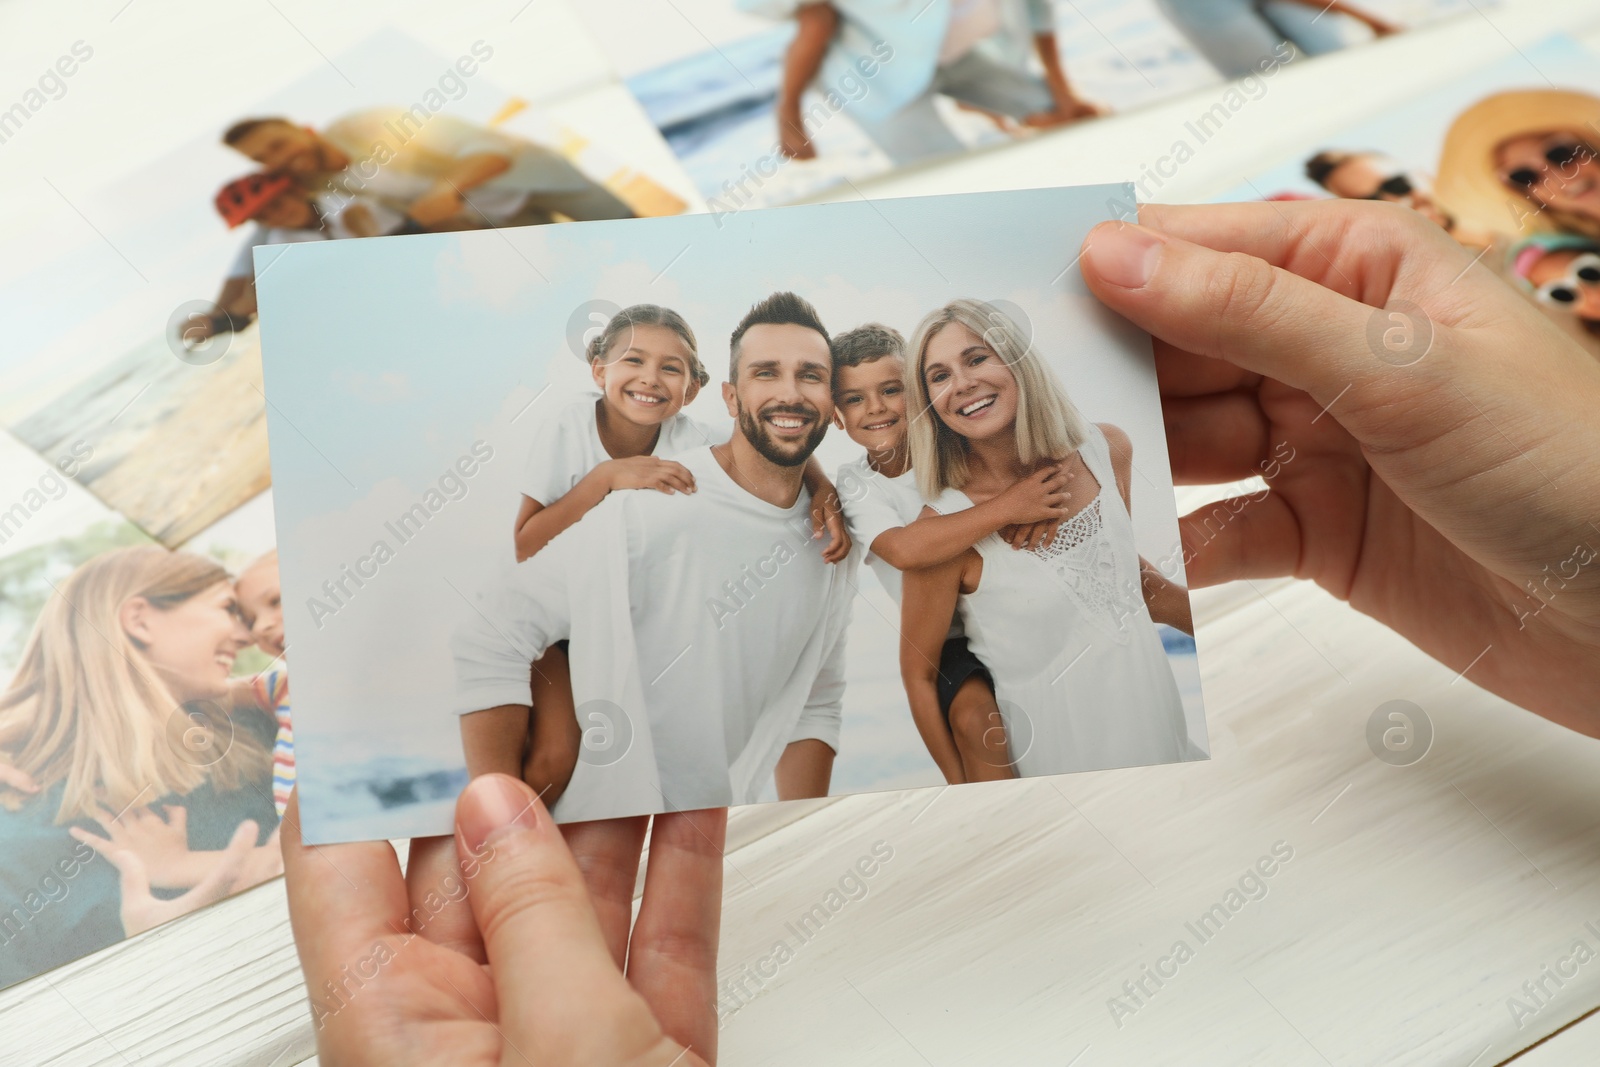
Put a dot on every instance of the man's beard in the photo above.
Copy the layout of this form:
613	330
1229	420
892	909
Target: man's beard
784	455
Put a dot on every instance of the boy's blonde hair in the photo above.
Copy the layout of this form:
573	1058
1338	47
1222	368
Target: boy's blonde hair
87	708
648	315
1048	427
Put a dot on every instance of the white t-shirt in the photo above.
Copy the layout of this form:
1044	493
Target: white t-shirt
568	447
397	156
875	503
708	621
970	22
333	206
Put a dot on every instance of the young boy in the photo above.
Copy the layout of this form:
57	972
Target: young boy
885	513
262	604
646	365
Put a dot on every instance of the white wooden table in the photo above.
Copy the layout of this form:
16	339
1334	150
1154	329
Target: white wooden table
1417	901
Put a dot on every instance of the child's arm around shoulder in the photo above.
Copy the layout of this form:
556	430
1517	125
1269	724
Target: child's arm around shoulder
934	539
539	523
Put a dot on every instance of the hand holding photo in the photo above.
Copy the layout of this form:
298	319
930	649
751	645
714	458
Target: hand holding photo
503	492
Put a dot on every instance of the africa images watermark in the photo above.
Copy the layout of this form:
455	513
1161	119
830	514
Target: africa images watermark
453	485
48	488
339	993
739	193
52	888
50	85
745	984
1206	125
746	584
1539	992
1251	888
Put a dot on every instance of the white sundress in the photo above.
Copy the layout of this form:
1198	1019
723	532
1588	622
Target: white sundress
1080	674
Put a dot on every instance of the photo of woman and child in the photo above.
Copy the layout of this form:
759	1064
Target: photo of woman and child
995	513
1516	175
141	776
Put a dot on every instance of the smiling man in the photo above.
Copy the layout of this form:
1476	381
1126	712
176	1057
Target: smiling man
707	632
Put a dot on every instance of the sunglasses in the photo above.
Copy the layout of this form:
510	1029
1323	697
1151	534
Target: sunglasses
1394	188
1559	155
1564	292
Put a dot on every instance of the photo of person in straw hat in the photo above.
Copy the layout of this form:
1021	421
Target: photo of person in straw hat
1524	162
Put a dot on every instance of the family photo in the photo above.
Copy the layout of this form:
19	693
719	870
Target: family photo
141	338
768	101
1506	161
785	530
146	746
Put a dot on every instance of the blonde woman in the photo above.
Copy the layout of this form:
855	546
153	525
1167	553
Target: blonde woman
1067	628
122	721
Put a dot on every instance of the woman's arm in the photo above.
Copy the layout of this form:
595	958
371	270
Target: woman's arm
1166	600
928	604
815	24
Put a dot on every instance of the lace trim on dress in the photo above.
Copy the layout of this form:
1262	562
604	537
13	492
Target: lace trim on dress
1083	558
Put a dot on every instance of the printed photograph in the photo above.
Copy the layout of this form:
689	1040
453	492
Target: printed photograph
695	512
1506	160
769	101
139	334
146	751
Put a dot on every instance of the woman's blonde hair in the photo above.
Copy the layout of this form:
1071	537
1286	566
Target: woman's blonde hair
648	315
86	708
1049	426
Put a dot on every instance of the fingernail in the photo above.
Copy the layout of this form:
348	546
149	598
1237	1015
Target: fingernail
494	805
1124	254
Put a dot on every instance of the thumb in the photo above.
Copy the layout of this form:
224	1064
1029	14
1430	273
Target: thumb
551	966
1237	307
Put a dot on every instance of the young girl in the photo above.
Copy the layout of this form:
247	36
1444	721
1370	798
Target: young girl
646	364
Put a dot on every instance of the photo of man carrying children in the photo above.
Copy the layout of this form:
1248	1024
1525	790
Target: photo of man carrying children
676	632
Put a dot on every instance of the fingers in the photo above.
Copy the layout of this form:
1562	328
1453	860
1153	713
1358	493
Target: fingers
839	545
676	475
1183	374
554	976
672	960
1244	537
342	898
1257	316
436	891
1217	438
18	779
99	844
607	853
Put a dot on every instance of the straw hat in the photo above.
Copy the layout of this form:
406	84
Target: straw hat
1468	185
